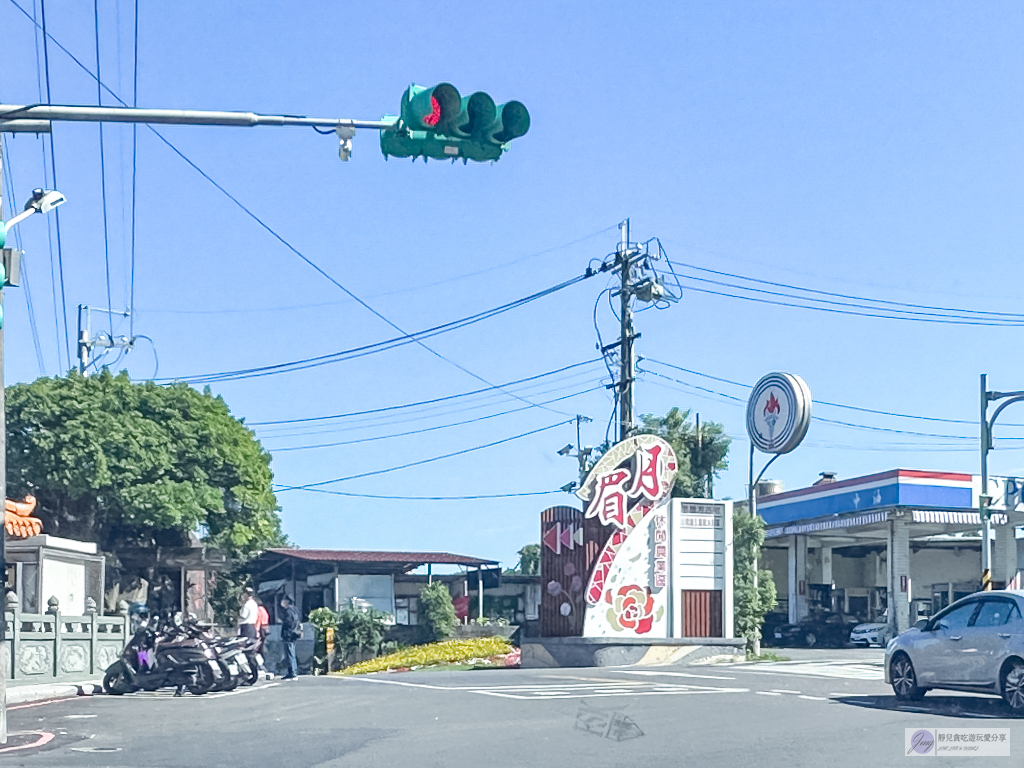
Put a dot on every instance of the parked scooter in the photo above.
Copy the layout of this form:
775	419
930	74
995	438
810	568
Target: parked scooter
161	655
237	656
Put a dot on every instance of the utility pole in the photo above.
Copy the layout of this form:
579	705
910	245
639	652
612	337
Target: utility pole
984	499
704	494
3	495
627	363
86	341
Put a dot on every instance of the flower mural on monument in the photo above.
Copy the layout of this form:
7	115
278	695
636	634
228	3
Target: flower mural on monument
632	609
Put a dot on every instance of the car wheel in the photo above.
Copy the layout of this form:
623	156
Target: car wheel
1012	685
904	679
810	640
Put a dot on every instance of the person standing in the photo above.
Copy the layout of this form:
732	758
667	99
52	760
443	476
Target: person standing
291	631
248	615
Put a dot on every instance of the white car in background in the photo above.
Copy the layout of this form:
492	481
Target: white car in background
873	633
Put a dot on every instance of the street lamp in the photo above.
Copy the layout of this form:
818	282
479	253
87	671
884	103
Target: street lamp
42	201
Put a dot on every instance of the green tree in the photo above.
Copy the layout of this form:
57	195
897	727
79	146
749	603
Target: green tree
139	465
750	605
438	611
529	560
700	461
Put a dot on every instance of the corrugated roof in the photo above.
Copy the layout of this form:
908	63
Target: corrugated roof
407	559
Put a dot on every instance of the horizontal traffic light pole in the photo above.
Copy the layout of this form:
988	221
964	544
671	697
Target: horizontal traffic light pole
13	115
435	122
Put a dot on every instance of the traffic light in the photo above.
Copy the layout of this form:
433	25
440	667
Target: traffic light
440	123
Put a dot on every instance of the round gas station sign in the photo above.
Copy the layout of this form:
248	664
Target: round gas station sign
778	413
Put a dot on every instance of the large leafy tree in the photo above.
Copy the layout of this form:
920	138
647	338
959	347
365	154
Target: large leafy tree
139	465
701	457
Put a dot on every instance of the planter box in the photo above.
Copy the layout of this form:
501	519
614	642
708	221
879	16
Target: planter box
472	630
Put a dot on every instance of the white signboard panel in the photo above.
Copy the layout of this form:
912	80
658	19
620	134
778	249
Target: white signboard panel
701	556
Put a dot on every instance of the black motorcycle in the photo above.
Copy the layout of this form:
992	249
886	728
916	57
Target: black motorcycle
161	655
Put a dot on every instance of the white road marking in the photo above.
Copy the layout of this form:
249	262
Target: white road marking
850	670
670	674
78	717
812	698
548	695
783	690
767	693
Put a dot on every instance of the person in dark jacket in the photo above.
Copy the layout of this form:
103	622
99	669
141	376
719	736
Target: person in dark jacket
291	631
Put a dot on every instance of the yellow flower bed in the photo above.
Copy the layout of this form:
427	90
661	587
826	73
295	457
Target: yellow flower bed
446	651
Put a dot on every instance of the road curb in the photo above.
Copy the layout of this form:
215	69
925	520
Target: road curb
33	694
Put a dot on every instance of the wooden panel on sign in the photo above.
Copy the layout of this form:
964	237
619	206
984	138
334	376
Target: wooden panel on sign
569	546
702	612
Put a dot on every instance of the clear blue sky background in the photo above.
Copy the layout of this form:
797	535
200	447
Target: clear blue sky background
864	148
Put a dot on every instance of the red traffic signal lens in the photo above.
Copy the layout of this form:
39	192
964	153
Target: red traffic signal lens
435	112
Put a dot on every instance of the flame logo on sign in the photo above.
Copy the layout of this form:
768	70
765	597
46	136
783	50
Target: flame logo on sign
772	405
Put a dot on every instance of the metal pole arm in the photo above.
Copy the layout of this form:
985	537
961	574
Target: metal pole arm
1015	397
10	113
765	469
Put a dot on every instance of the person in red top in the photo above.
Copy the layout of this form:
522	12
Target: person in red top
262	623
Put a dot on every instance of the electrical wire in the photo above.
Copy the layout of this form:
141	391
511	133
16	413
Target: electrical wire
908	315
135	153
834	422
423	402
103	169
475	497
270	230
307	486
857	408
53	175
981	312
380	346
429	429
9	184
440	411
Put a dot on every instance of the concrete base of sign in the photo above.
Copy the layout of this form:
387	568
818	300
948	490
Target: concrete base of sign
547	652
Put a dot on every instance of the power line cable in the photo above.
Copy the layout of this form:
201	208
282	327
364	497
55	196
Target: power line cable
379	346
983	312
103	169
835	422
270	230
9	173
307	486
429	429
909	316
422	402
857	408
53	175
475	497
135	153
451	410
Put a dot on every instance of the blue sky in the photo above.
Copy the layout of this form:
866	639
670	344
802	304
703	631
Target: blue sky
862	148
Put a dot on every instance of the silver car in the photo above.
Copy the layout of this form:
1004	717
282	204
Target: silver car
974	645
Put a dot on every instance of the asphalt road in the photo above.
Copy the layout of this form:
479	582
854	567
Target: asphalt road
821	708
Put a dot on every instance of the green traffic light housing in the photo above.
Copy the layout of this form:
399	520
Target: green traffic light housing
439	123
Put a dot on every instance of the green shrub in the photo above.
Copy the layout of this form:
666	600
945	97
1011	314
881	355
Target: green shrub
360	630
438	611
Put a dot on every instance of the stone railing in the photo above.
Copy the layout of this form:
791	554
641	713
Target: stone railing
50	646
